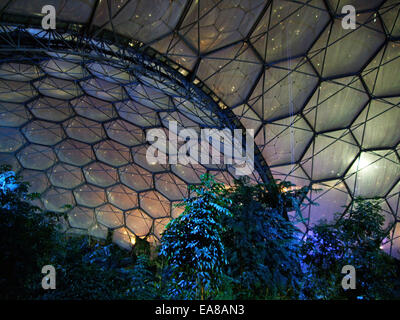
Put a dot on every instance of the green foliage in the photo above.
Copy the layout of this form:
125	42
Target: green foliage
353	239
192	243
261	244
27	237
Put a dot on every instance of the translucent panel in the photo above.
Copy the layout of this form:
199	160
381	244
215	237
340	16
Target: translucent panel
125	133
10	140
381	74
80	217
74	152
58	200
63	69
136	177
84	130
109	73
159	226
288	29
284	141
112	153
149	97
209	25
330	155
110	216
37	157
51	109
171	186
19	71
122	197
43	132
342	51
283	89
155	204
176	211
335	104
137	114
92	108
378	125
38	181
143	20
331	198
389	12
100	174
103	89
124	238
89	196
393	199
176	50
139	156
292	173
195	112
190	173
65	176
98	231
58	88
248	118
138	222
373	174
230	79
13	115
13	91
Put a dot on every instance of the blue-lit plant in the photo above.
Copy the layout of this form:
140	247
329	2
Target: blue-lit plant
192	244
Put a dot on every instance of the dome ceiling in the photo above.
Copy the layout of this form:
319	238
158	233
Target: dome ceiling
323	101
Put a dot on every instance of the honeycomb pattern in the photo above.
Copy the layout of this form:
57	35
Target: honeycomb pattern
324	103
85	151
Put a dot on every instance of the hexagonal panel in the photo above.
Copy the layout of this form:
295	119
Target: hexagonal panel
43	132
84	130
283	141
124	238
57	199
74	152
373	173
122	197
37	157
155	204
335	104
100	174
11	140
90	196
65	176
51	109
110	216
136	177
113	153
289	28
330	155
92	108
13	91
283	90
13	115
171	186
377	126
342	51
138	222
80	217
57	88
38	181
125	133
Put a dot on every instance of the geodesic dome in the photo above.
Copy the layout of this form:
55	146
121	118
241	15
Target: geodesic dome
76	102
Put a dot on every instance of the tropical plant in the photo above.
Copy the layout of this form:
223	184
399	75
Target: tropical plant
261	243
192	246
353	239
